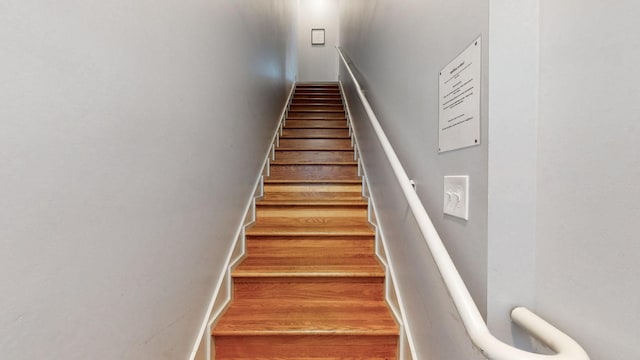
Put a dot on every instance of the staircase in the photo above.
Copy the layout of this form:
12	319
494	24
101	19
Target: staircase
310	286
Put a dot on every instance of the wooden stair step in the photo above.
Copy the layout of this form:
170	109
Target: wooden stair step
316	115
293	249
329	84
309	257
312	124
302	270
267	230
311	247
313	202
313	172
314	198
302	156
328	144
300	94
307	347
277	317
309	182
304	288
313	215
315	110
313	97
316	106
316	162
315	133
316	99
302	187
369	236
318	87
312	192
317	91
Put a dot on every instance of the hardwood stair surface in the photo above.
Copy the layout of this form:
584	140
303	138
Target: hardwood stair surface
310	285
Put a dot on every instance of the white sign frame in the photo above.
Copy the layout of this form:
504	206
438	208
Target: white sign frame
317	37
459	100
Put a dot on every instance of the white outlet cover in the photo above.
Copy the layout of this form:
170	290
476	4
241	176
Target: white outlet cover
456	196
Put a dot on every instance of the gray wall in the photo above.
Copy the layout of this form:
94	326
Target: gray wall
317	62
513	113
588	170
431	318
399	48
553	217
131	136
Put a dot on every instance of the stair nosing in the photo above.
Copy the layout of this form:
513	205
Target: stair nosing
311	149
261	232
285	148
318	118
297	162
318	274
315	203
274	181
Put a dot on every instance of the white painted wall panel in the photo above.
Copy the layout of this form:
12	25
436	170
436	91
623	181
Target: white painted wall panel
398	48
317	62
131	136
513	124
559	230
588	170
434	325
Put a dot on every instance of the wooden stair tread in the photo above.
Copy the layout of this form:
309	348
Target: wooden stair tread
313	111
326	100
315	126
266	230
331	91
288	131
312	171
308	347
295	162
315	106
332	84
315	134
296	189
316	117
308	271
341	181
312	197
315	148
310	202
287	317
304	288
327	144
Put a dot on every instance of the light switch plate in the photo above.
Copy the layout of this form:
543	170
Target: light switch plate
456	196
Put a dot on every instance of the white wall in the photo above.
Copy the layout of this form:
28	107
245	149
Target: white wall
560	196
588	170
317	62
131	136
398	48
432	323
512	122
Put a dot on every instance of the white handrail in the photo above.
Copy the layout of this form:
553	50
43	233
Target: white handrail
565	347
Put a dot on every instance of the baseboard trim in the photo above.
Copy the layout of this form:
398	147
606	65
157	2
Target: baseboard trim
222	293
406	348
